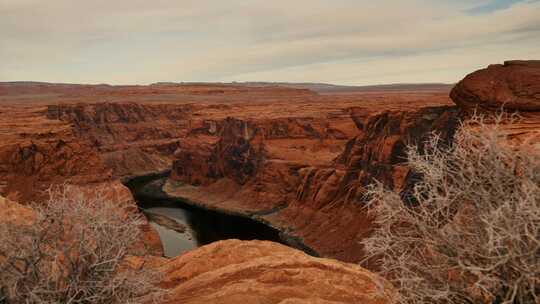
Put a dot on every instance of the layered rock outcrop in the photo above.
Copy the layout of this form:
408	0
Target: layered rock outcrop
514	86
29	167
37	153
132	139
328	212
235	271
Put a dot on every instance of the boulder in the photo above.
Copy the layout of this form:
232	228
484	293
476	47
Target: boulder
247	272
514	86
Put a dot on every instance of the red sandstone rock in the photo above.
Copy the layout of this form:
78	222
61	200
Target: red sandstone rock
133	139
12	212
30	167
514	86
235	271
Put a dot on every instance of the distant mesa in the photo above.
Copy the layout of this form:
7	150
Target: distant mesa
514	85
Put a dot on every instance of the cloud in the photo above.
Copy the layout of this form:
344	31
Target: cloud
491	6
135	41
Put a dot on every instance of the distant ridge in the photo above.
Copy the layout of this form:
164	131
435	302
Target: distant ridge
316	87
328	88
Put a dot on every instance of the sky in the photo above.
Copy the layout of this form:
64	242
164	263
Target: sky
352	42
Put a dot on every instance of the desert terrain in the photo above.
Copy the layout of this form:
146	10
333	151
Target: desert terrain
283	155
296	158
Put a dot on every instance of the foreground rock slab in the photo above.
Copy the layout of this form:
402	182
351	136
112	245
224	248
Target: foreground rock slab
246	272
14	213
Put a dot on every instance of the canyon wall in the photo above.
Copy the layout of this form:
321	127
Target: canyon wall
289	174
85	144
36	152
132	139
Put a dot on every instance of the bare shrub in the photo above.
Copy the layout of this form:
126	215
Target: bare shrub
74	252
470	233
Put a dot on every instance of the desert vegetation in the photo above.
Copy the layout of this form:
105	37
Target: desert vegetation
469	232
74	251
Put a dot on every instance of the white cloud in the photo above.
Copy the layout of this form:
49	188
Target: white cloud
128	41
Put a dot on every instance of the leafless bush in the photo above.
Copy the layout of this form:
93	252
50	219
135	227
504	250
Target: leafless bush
471	232
73	252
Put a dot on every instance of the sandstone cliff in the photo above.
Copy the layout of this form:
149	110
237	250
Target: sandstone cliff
36	152
132	139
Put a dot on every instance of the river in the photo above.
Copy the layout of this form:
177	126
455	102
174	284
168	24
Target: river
183	227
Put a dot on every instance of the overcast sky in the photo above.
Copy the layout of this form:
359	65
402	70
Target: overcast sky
336	41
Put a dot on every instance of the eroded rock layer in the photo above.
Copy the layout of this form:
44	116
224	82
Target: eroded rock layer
36	152
133	139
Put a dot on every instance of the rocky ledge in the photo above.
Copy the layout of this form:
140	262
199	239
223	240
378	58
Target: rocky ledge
247	272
